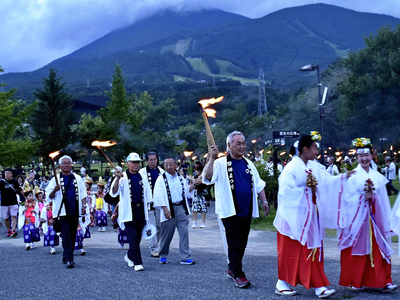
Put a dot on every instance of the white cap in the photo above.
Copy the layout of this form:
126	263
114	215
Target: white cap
133	157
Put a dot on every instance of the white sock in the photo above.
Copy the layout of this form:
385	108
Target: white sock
282	285
319	290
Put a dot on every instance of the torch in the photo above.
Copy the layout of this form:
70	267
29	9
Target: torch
99	144
52	156
206	113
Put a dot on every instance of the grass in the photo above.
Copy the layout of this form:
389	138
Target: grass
265	223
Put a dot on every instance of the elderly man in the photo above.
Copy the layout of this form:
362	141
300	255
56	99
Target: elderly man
69	198
170	195
332	169
10	191
135	194
237	184
150	174
390	174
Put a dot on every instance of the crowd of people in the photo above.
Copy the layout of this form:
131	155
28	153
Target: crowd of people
151	202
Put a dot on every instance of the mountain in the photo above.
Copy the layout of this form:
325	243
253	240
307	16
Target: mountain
177	46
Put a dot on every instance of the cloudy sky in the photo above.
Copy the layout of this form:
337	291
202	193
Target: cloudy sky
35	32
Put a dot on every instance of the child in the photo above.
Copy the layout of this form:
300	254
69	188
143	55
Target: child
122	235
364	241
101	206
50	239
200	191
28	219
82	231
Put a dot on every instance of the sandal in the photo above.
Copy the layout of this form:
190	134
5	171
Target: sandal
289	292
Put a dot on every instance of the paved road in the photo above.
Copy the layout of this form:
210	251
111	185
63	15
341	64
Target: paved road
103	273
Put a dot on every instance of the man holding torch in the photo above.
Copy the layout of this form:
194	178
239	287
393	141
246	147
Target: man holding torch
68	191
135	195
237	185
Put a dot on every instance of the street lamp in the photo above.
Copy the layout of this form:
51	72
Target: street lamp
308	68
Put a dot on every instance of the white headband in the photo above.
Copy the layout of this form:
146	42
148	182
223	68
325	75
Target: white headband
363	150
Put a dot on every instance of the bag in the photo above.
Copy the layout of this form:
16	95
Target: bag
57	225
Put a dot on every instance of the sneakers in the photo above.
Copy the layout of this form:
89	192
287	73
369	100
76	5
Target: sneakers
155	254
14	233
230	275
203	225
9	233
242	282
138	268
103	229
70	264
33	245
188	261
194	225
83	252
99	229
130	263
28	246
163	260
52	250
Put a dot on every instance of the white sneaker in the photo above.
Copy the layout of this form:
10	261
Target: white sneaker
138	268
99	229
103	229
83	252
203	225
33	245
52	250
130	263
194	225
28	246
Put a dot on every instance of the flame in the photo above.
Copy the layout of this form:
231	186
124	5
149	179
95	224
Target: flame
211	113
221	154
187	153
104	143
282	153
261	151
54	154
254	141
206	102
194	157
339	159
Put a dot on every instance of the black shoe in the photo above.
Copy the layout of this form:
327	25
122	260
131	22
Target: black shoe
70	264
64	260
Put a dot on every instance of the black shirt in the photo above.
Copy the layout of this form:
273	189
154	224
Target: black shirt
9	190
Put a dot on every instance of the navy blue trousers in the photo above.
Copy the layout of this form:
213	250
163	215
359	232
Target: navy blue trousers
134	233
69	225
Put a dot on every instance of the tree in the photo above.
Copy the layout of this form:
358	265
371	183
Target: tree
371	105
15	149
52	118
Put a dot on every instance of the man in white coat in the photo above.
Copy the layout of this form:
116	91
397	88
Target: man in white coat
237	185
134	194
70	195
150	174
390	174
170	195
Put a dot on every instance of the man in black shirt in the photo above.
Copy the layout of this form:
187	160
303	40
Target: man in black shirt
10	190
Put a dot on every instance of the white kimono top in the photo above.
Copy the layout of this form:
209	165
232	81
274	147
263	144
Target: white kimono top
224	203
124	192
297	216
143	172
360	213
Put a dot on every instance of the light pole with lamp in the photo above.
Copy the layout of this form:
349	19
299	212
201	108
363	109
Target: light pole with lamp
321	110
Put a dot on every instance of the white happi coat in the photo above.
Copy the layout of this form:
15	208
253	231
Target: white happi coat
297	215
124	192
356	233
224	204
143	172
161	195
58	197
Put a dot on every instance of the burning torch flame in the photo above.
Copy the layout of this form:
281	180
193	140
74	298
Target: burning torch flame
254	141
54	154
187	153
103	143
206	102
211	113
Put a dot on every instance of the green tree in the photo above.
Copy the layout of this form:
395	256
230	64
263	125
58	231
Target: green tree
371	105
52	118
15	148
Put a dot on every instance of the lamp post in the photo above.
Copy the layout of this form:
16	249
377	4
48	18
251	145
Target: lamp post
321	111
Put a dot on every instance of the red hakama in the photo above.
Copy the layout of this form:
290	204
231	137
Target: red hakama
356	270
295	268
